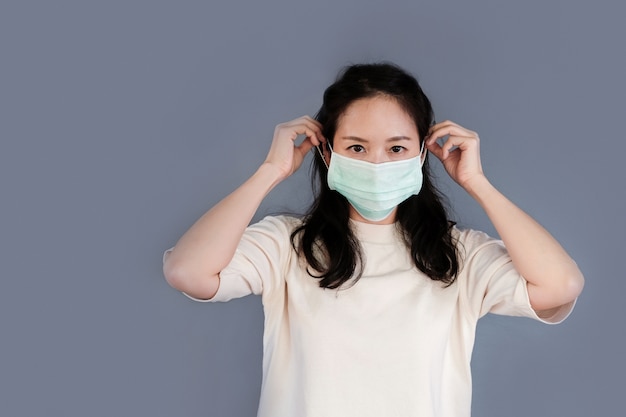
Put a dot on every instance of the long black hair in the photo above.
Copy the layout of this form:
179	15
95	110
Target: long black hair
325	239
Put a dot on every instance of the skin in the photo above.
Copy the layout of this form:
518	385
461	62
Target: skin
376	130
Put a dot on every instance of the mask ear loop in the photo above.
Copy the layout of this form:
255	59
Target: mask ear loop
434	122
422	157
322	154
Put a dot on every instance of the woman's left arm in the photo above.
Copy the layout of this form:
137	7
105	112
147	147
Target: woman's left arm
553	277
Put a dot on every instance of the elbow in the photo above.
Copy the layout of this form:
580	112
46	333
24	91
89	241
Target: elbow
179	277
568	288
174	275
575	283
572	282
568	285
560	292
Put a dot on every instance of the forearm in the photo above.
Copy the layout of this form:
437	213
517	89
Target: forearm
209	245
553	277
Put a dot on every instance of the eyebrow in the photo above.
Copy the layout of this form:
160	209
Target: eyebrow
391	139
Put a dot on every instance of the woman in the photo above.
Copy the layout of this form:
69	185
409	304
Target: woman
371	299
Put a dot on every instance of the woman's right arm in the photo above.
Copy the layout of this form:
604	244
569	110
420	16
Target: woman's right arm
194	264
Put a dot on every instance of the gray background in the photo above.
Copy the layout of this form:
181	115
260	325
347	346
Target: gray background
121	122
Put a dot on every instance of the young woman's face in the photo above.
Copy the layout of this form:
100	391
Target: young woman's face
376	130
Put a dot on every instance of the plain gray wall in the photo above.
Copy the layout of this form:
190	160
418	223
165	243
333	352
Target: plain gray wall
121	122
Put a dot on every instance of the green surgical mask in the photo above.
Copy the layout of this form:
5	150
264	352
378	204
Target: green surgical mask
374	190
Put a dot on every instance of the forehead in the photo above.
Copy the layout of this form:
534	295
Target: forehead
377	115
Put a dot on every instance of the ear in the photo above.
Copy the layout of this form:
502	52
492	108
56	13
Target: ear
423	157
328	151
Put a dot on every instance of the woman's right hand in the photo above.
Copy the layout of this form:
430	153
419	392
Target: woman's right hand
287	156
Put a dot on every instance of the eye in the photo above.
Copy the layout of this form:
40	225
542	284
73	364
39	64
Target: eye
357	148
397	149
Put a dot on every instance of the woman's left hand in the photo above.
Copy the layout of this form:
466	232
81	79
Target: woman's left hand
460	154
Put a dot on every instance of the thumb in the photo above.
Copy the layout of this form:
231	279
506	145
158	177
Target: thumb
305	146
436	150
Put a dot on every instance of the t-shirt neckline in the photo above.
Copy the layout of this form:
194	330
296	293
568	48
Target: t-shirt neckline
376	233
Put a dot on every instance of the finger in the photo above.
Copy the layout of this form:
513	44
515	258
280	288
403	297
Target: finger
311	122
441	124
448	128
436	150
445	123
435	127
308	120
313	125
305	146
448	140
310	132
306	128
453	143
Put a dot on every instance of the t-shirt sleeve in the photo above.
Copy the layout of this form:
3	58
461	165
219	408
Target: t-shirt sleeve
258	263
492	284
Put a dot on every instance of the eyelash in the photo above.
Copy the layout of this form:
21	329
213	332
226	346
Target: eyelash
360	148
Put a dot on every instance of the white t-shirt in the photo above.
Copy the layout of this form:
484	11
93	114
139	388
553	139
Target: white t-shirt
396	343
